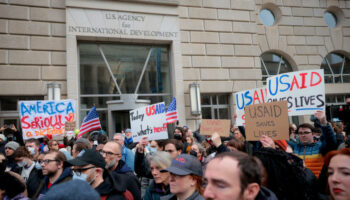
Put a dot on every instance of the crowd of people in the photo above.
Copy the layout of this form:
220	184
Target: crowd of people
313	164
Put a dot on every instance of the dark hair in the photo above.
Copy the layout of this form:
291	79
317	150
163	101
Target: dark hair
183	135
11	185
49	144
284	175
102	139
178	144
305	125
161	143
32	140
238	144
21	152
59	156
79	146
249	170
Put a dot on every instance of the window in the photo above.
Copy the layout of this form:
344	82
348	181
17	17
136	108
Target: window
330	19
336	68
215	106
273	64
267	17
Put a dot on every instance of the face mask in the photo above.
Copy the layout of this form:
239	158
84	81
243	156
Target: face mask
38	166
177	136
31	150
22	164
82	177
152	150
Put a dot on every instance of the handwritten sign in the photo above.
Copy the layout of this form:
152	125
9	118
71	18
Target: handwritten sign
221	126
246	98
269	119
303	90
69	126
39	118
149	121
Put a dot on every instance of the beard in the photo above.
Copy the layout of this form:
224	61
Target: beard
111	164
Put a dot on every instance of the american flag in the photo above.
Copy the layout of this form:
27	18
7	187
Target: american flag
90	122
171	114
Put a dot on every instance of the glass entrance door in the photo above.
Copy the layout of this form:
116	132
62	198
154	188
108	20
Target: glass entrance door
122	120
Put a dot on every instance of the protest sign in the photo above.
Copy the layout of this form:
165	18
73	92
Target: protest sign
149	121
39	118
269	119
221	126
69	126
304	91
246	98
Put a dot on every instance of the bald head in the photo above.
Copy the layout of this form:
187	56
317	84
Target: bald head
112	153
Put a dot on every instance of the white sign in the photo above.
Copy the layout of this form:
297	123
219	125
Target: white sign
40	118
149	121
246	98
304	91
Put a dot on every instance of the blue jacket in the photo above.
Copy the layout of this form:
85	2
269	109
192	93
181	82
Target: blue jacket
128	157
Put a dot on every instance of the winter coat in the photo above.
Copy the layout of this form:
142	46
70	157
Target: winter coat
43	187
131	181
128	157
111	188
312	153
154	191
194	196
265	194
34	180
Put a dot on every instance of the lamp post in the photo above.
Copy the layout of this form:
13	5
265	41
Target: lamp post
195	97
54	91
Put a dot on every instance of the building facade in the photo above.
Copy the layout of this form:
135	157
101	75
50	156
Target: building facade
120	55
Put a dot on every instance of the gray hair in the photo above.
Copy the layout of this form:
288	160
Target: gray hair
123	136
161	159
200	147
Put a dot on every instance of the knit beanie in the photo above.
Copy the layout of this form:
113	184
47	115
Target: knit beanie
12	145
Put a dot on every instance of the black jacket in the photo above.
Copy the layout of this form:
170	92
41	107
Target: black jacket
142	166
265	194
131	181
33	182
113	188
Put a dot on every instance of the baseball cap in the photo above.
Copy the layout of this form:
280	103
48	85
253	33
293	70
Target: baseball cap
90	156
185	164
128	130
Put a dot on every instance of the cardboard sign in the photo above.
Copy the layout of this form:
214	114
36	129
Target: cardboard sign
39	118
303	90
69	126
269	119
149	121
246	98
221	126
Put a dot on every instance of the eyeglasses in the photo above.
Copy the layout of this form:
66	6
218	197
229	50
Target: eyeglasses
108	153
304	133
47	161
79	171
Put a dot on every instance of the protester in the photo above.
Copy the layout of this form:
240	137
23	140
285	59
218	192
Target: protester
338	165
310	151
112	153
292	132
78	147
174	147
11	188
10	148
185	178
102	139
288	173
235	145
235	176
90	167
127	155
179	134
159	186
53	145
2	143
54	171
344	115
33	146
128	141
28	171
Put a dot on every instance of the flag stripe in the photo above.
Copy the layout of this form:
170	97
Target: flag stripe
171	114
91	122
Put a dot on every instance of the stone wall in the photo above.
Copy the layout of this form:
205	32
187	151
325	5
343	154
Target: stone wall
32	46
223	39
